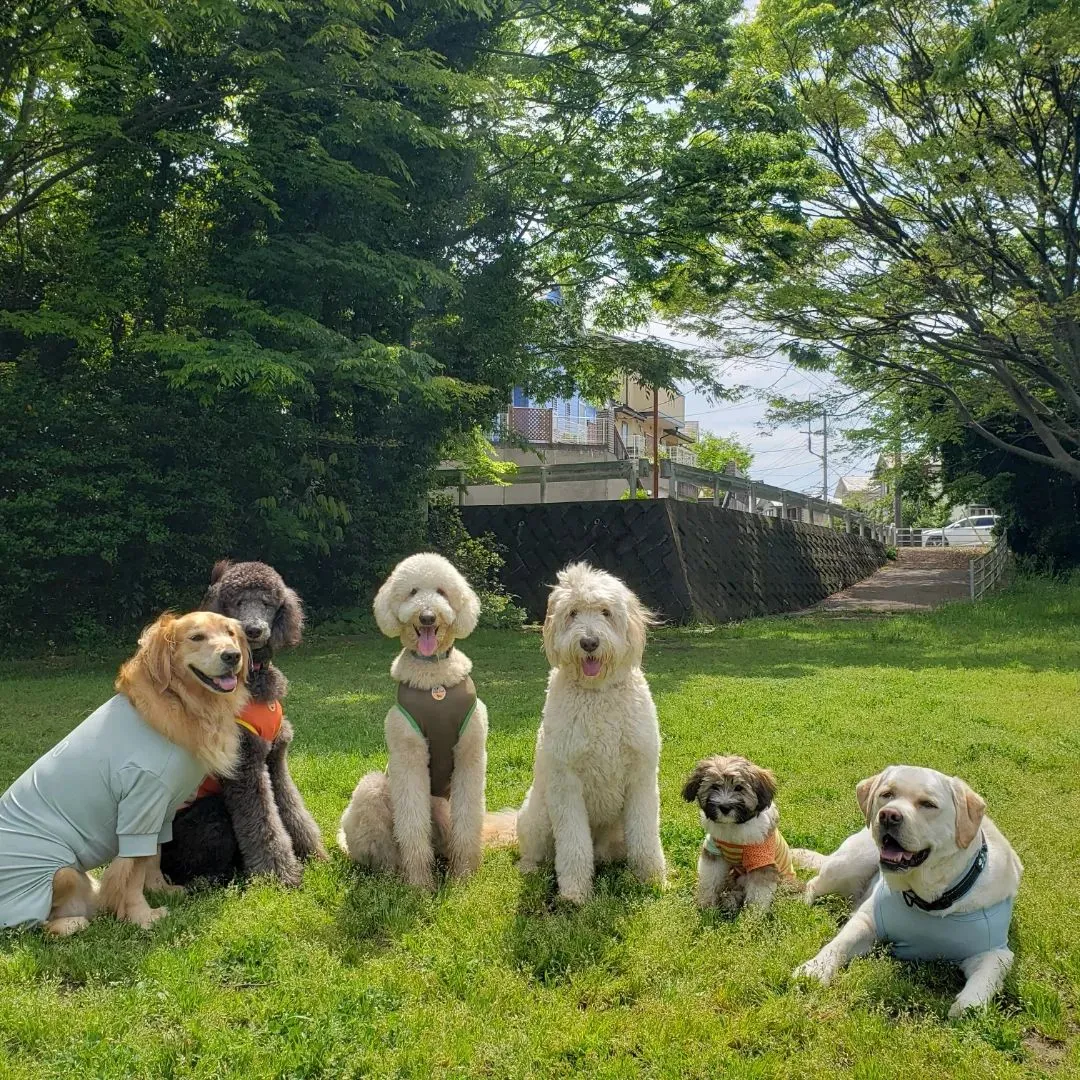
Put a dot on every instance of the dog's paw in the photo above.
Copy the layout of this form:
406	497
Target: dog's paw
650	873
964	1005
290	873
816	970
165	888
420	879
810	894
67	926
147	916
729	904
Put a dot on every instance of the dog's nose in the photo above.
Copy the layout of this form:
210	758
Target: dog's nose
427	619
255	630
890	816
231	658
590	644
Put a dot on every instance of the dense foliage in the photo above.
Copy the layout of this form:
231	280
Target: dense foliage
943	252
262	265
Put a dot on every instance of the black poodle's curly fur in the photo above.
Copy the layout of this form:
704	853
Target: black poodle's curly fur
258	824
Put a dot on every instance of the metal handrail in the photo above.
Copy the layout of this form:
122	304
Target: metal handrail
987	571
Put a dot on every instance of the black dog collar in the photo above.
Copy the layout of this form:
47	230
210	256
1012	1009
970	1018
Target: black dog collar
433	658
958	891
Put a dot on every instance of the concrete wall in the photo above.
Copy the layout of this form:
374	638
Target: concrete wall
688	561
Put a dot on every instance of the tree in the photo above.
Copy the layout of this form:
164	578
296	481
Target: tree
944	249
716	451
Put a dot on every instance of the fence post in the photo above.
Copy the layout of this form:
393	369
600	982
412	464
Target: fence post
673	485
716	490
543	483
631	477
461	488
971	577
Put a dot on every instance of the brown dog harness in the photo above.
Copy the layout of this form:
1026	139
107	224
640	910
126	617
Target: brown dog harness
439	715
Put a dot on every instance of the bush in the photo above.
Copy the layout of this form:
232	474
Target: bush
479	558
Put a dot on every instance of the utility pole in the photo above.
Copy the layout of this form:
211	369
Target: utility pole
824	455
897	499
656	442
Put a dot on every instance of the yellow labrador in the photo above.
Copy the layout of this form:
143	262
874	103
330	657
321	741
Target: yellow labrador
931	874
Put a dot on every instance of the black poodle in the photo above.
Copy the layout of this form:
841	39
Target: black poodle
254	822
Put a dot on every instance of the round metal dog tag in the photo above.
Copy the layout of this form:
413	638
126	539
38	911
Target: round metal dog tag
438	692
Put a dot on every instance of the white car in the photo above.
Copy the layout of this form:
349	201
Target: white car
967	532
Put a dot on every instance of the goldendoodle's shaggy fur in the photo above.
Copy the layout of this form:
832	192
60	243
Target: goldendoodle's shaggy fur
402	820
254	822
594	796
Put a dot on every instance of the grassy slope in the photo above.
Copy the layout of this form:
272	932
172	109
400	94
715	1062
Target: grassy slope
355	975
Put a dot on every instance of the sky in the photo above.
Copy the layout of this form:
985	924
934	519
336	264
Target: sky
781	457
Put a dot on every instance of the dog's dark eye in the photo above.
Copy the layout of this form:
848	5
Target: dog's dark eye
739	788
606	613
198	637
441	592
926	804
573	614
885	795
413	592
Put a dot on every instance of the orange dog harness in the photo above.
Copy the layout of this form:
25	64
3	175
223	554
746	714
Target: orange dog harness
260	718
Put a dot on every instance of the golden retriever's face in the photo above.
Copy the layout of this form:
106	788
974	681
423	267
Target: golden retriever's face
594	626
917	814
427	604
730	790
203	651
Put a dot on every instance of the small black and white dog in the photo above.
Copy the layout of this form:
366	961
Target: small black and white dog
743	858
254	822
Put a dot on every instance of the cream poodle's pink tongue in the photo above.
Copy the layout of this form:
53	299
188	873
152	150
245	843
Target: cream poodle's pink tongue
225	682
427	642
590	665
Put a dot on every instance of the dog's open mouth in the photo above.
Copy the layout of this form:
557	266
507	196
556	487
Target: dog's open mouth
427	640
590	666
222	684
892	856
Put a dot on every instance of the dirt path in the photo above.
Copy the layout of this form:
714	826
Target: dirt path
919	579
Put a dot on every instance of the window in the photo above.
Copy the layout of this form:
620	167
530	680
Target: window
985	522
963	523
625	432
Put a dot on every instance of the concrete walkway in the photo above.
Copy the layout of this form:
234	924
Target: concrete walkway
917	580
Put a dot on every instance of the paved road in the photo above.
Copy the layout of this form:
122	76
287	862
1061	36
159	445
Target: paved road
919	579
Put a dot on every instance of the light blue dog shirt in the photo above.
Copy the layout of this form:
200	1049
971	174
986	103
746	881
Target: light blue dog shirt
110	788
936	935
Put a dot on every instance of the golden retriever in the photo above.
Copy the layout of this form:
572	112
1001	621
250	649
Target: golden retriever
121	774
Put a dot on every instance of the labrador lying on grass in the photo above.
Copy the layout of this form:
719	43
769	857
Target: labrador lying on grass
931	875
110	789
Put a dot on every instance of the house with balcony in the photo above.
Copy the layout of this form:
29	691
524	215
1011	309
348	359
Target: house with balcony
566	430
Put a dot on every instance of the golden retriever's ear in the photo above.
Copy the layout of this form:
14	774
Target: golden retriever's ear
693	781
467	614
245	651
970	808
385	616
764	784
865	790
156	649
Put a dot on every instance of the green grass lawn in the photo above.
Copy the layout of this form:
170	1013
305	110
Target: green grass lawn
356	975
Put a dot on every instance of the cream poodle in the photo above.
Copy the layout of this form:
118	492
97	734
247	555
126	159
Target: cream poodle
595	796
430	802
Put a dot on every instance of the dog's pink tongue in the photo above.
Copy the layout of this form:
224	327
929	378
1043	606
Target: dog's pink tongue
427	642
226	682
590	665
